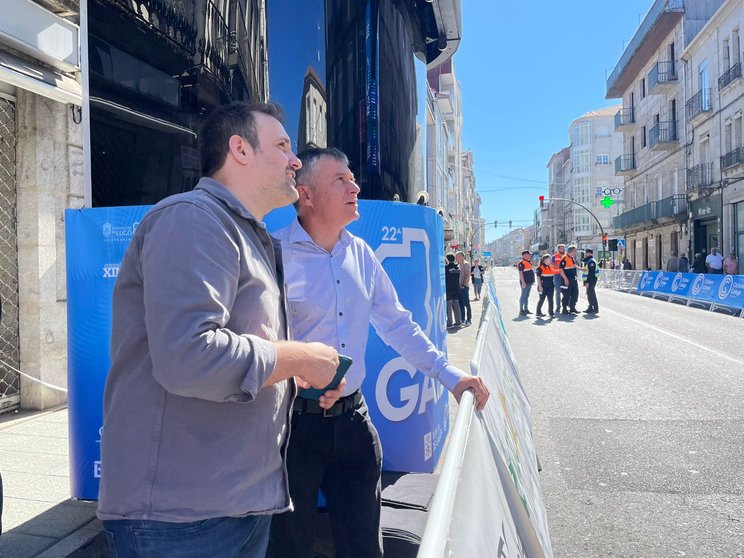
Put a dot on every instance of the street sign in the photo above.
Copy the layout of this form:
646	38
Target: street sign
486	254
621	244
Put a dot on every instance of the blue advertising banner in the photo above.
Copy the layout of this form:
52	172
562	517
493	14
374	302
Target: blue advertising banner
96	240
409	409
720	290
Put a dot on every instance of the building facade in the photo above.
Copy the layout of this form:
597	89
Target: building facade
715	151
41	175
649	78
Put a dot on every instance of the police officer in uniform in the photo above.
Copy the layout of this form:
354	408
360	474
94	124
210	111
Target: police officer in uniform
570	286
589	275
545	285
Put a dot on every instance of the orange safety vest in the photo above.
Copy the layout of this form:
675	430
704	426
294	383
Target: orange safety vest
527	264
557	265
547	270
570	263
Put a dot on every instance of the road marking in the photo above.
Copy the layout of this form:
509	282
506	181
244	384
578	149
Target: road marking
678	337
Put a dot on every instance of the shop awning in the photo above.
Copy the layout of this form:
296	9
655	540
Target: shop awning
40	80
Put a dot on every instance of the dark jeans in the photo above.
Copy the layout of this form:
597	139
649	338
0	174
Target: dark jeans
477	285
465	304
571	294
546	294
342	456
591	296
524	297
228	537
716	271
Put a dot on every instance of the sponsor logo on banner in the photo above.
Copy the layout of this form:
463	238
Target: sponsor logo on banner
697	286
676	282
645	280
112	233
659	278
725	289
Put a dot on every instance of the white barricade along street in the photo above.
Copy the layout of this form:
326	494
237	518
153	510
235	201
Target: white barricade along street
489	501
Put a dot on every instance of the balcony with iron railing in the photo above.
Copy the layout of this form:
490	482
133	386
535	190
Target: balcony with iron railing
699	105
624	118
215	42
625	164
174	19
700	177
732	159
670	208
729	76
662	76
663	135
674	206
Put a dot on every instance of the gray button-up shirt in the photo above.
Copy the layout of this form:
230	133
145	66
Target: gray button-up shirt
189	433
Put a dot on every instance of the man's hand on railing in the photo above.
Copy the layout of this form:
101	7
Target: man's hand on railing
479	390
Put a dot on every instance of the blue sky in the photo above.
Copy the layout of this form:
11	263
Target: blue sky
527	69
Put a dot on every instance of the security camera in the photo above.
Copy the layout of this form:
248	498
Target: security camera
422	198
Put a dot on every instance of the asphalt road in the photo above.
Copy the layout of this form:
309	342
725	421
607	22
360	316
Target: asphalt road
638	415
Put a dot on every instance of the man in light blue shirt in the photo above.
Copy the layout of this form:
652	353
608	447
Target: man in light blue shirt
336	288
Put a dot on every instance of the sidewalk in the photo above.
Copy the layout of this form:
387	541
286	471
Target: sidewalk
39	518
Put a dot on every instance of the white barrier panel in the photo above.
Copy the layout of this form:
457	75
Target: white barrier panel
489	501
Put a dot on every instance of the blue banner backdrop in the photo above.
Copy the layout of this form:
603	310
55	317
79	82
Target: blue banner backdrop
721	290
409	410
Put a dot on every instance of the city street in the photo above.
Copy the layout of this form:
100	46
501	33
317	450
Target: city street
639	424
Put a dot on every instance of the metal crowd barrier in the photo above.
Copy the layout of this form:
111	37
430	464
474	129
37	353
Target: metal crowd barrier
722	293
488	500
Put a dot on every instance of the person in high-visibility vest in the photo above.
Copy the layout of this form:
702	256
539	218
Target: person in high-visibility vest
545	285
589	273
557	279
526	280
570	286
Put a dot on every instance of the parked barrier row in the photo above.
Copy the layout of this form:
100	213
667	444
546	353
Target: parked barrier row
723	293
488	501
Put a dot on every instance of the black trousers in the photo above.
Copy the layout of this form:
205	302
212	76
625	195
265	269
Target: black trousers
341	456
571	294
591	295
547	294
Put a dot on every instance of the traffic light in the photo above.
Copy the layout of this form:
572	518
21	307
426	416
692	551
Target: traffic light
510	224
496	224
604	239
542	202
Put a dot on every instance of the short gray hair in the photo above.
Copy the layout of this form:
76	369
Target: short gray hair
311	156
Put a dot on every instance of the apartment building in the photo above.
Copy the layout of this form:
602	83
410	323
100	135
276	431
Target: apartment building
559	218
41	174
593	184
715	153
649	78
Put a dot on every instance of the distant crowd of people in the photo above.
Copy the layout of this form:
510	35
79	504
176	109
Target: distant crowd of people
459	274
557	279
712	263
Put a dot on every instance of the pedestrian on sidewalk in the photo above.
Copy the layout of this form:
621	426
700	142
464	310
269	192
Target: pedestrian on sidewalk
684	264
201	384
627	266
673	263
477	274
452	288
731	264
698	264
545	285
570	286
465	310
338	449
526	280
590	274
557	280
714	262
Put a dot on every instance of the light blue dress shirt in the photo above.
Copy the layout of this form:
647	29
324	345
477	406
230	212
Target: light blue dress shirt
334	297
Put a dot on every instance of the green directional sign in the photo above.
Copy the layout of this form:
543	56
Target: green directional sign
607	202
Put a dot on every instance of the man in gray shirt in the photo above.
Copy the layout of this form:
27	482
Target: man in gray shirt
197	401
